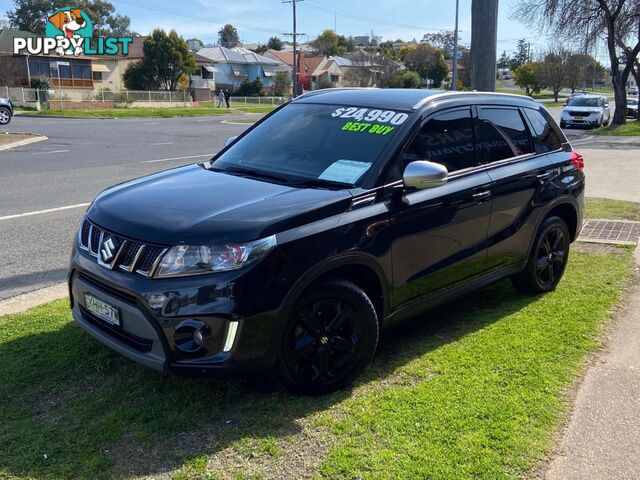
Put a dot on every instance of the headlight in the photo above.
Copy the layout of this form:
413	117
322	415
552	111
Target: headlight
194	260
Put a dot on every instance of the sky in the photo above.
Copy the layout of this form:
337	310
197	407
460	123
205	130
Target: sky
257	20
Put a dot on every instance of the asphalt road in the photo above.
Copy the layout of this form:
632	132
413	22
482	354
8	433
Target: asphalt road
83	157
80	159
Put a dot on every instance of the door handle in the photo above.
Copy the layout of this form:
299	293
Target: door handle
481	195
544	176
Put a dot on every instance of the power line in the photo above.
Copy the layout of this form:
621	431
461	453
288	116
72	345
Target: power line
175	13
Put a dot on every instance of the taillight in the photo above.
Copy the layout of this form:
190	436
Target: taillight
577	160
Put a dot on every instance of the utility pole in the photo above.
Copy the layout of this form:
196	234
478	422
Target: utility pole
295	35
484	40
454	75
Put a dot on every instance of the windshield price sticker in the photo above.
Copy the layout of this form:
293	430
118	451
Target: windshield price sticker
372	128
371	115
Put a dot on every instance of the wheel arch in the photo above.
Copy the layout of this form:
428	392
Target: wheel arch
565	207
360	269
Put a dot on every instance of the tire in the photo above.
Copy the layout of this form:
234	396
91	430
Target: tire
5	116
328	340
548	258
563	125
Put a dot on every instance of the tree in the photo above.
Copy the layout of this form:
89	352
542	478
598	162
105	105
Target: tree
426	61
137	76
282	84
504	61
250	89
166	57
521	56
442	40
525	77
328	43
32	15
228	36
617	21
552	71
407	79
275	43
10	71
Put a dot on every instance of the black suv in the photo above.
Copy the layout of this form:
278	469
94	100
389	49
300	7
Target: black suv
339	212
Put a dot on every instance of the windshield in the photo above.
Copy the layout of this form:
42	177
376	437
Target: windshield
585	102
632	102
318	143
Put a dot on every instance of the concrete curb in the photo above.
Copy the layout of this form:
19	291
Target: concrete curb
25	301
22	143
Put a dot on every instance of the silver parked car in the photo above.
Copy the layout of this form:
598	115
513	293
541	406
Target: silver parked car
632	107
633	90
6	111
585	111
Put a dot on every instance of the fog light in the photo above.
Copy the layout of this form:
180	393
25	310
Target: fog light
231	336
197	337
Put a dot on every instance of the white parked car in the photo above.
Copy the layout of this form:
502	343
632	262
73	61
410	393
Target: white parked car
585	111
633	90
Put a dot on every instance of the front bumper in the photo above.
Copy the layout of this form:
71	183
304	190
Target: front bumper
584	122
149	329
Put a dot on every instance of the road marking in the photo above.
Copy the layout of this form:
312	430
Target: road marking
163	143
152	123
40	212
178	158
50	152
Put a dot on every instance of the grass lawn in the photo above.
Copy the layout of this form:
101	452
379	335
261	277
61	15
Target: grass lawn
154	112
472	390
612	209
629	129
517	91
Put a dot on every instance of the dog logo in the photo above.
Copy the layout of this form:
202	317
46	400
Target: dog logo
73	25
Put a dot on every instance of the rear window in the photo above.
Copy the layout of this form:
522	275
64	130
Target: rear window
546	137
501	134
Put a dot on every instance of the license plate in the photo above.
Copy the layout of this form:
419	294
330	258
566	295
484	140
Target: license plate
102	310
579	117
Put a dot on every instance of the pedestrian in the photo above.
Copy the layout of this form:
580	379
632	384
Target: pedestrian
227	96
221	98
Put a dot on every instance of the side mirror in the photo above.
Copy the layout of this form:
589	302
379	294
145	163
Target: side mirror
423	174
230	140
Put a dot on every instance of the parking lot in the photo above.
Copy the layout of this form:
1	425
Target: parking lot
46	187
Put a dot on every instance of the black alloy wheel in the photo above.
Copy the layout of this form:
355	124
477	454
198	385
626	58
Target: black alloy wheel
329	339
548	259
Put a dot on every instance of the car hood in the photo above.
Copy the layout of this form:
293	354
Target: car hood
584	109
193	205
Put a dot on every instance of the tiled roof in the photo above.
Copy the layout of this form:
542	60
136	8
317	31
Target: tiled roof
7	36
235	55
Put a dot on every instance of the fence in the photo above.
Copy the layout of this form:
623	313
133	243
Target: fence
70	98
93	98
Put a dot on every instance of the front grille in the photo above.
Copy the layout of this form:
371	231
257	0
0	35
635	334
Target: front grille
131	256
578	114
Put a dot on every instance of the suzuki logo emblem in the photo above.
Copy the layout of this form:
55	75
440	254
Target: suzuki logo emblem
108	250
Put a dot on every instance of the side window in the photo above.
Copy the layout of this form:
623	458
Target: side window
546	137
447	138
501	134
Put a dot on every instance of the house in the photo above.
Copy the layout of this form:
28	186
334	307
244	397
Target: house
82	72
314	71
230	67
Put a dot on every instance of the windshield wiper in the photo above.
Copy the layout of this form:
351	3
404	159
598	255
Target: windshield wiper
319	182
289	181
250	172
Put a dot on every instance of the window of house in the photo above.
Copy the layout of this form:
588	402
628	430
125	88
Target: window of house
546	138
97	76
335	78
447	138
501	134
